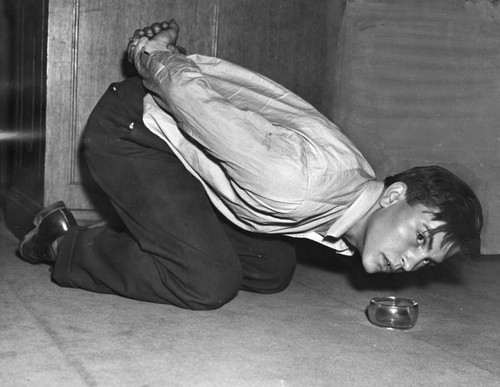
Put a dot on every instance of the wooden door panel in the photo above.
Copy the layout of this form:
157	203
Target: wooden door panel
288	41
86	47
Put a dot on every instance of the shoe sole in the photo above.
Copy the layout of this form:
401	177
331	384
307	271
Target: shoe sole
23	255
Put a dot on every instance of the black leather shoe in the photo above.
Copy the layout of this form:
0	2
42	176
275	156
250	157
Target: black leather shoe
50	224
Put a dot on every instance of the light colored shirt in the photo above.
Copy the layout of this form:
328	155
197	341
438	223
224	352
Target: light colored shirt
267	159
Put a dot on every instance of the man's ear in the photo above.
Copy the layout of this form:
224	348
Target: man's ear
392	194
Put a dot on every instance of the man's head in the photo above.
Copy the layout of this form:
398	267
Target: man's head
425	215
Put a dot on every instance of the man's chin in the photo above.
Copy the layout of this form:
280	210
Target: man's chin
370	267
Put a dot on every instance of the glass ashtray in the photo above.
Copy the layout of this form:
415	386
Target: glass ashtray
393	312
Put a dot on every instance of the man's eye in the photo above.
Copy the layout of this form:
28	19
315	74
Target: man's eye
420	238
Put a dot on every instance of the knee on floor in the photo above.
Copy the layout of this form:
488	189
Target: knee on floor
274	283
213	292
273	276
212	300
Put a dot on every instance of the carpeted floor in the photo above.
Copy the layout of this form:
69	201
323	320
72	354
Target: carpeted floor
313	334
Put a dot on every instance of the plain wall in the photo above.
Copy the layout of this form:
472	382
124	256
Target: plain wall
419	84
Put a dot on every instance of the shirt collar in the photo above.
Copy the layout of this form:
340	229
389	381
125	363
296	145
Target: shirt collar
357	210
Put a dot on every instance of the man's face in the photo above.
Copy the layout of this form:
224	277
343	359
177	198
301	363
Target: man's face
397	238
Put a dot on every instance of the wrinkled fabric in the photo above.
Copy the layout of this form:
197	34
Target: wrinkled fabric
267	159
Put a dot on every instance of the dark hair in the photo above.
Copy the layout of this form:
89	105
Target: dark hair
454	201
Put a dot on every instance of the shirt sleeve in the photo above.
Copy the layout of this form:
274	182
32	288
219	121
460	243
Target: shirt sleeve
268	160
265	162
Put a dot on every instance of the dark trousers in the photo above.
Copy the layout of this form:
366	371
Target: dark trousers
177	249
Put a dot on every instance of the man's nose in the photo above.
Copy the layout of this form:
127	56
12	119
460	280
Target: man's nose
412	259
